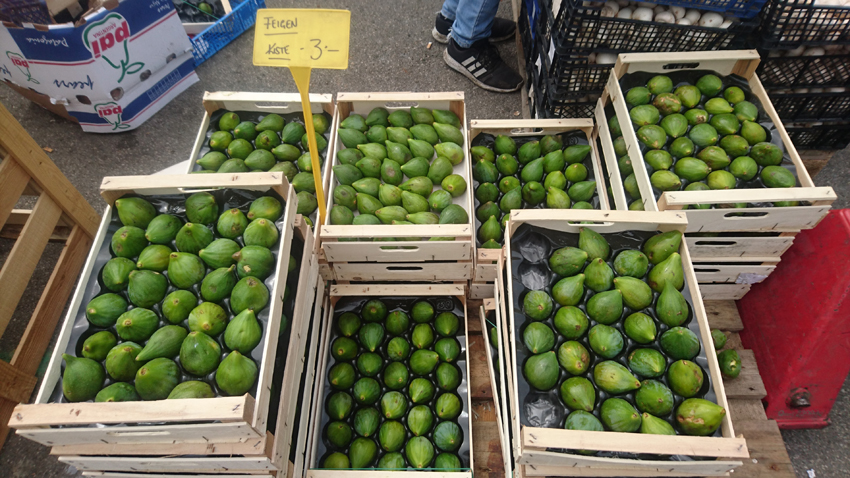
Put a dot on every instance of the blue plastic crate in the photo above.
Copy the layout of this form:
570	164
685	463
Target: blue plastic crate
226	29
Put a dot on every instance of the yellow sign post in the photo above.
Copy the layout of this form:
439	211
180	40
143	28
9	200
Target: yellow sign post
303	39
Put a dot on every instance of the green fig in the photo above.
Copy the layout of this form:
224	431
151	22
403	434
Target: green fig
243	333
574	357
631	263
685	378
249	293
208	318
135	211
340	405
537	305
98	345
121	362
598	275
636	294
104	310
185	269
128	241
118	392
569	291
647	362
398	349
570	322
680	343
654	398
165	342
619	415
719	338
606	307
593	244
653	425
541	371
668	270
137	324
567	261
640	328
163	229
660	246
447	348
146	288
538	337
157	378
236	374
448	406
614	378
699	417
422	362
254	261
578	393
605	341
730	363
191	389
420	390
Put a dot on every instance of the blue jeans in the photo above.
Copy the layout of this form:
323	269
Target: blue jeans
473	19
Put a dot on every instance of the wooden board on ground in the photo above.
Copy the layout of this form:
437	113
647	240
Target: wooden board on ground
485	439
748	384
723	315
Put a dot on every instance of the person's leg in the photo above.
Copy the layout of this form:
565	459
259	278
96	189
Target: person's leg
496	29
473	21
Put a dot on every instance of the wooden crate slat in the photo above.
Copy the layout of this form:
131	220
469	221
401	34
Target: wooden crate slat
25	254
224	409
40	329
485	441
479	376
13	180
748	384
767	449
251	446
723	315
43	171
172	464
208	432
17	385
743	410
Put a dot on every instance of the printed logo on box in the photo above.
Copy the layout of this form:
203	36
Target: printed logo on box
108	39
21	63
111	113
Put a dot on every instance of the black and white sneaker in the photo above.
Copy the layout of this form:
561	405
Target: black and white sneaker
482	64
502	29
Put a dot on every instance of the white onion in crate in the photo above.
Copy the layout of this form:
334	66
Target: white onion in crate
816	51
801	91
684	21
711	19
625	13
665	17
836	89
678	12
726	24
610	9
693	16
591	58
796	51
642	14
606	58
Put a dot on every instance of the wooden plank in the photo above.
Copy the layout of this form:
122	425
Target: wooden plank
622	467
769	458
486	441
224	409
39	166
117	474
814	166
174	465
341	290
730	273
549	470
25	254
401	271
15	385
13	180
723	315
745	410
252	446
748	384
537	439
40	328
714	292
704	249
479	375
113	187
407	251
206	433
473	322
733	341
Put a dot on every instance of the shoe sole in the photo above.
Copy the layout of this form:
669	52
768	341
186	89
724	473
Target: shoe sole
445	38
454	65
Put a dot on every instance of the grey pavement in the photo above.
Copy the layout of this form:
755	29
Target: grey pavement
388	53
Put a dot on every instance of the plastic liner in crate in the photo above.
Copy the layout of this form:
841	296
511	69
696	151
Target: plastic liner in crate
226	29
804	71
792	23
811	106
819	136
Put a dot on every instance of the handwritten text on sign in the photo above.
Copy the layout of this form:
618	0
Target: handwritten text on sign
302	38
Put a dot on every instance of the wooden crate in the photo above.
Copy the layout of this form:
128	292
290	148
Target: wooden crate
60	213
349	250
211	421
530	444
713	272
264	103
724	291
270	454
742	63
485	268
338	291
739	249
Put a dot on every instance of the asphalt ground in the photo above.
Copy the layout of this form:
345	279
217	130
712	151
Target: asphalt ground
388	52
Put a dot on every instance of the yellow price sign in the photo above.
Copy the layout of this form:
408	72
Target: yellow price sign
302	39
314	38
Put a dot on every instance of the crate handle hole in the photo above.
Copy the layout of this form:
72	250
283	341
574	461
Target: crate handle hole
401	104
706	270
526	131
745	215
271	104
139	434
400	248
404	268
716	243
680	66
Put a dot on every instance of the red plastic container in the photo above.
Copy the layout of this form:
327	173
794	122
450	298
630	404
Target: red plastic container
798	324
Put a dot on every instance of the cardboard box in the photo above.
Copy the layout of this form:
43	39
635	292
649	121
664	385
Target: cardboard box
111	70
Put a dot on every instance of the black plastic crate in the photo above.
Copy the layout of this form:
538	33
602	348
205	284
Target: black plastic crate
804	71
545	102
811	106
788	24
582	27
822	136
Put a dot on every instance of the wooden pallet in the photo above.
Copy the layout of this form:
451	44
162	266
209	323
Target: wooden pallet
60	214
768	456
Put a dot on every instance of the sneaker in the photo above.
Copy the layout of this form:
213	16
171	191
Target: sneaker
482	64
502	29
